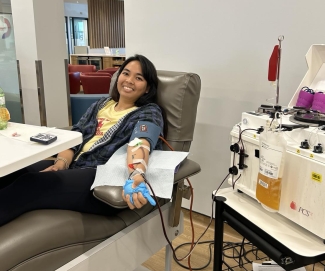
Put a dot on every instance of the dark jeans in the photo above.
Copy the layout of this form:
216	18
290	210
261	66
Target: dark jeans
28	189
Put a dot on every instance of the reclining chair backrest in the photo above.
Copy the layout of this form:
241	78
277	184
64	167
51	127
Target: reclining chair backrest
178	95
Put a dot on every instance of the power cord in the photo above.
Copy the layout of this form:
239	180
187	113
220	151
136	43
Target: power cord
192	243
161	216
226	245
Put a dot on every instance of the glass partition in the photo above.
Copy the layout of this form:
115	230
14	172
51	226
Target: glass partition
8	64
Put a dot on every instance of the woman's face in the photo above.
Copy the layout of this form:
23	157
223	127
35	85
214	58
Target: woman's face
131	84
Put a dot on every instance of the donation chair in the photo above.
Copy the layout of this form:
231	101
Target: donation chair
46	240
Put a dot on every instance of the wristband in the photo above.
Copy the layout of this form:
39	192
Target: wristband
62	159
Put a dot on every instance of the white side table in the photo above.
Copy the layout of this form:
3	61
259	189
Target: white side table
285	242
16	154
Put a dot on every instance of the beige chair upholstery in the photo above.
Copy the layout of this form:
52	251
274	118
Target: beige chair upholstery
47	239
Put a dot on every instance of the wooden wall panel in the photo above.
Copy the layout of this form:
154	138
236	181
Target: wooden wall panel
106	23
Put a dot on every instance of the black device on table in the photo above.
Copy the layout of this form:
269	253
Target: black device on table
43	138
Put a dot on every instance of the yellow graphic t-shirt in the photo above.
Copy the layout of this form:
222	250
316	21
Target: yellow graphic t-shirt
106	118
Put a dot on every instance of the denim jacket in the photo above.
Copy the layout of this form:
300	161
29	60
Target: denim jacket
115	137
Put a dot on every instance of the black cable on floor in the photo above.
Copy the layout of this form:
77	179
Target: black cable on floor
227	245
241	253
211	243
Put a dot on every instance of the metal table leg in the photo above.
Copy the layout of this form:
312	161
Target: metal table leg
218	233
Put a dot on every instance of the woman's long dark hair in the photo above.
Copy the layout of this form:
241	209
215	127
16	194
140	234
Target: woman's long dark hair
149	73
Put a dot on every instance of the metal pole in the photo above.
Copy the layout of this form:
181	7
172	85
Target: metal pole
168	258
41	92
20	93
280	39
68	90
218	233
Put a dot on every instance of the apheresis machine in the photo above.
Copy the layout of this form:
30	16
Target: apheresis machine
278	153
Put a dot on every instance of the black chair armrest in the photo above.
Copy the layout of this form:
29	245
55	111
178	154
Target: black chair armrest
187	169
111	195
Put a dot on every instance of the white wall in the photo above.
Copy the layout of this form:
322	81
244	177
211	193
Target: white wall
76	10
228	43
34	42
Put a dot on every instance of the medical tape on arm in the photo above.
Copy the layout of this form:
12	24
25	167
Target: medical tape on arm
140	161
137	171
141	146
137	143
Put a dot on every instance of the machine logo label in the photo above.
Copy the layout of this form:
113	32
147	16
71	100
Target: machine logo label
301	210
305	212
316	177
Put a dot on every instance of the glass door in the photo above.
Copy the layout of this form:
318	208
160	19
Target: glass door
80	31
9	81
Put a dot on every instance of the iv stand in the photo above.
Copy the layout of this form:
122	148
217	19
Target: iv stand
280	39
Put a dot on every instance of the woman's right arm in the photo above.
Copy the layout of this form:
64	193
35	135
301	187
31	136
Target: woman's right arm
63	160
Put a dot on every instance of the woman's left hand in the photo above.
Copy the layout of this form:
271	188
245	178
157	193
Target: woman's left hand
138	200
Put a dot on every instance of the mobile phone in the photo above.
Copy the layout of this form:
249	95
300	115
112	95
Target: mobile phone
43	138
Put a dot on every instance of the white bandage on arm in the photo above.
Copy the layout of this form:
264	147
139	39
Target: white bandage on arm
137	143
137	171
140	161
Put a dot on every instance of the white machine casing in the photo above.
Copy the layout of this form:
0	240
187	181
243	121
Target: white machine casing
303	188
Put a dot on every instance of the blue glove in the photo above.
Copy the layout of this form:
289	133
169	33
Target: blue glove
128	190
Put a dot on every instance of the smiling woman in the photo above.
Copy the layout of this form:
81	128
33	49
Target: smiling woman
107	125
